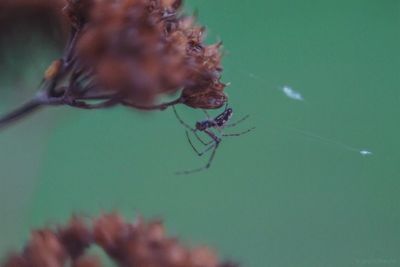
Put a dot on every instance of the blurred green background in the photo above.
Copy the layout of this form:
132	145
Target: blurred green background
274	197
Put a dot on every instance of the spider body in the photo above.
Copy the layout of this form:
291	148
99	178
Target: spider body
217	122
207	126
203	125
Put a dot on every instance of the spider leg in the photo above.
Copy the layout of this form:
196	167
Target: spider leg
195	149
182	121
205	167
214	147
207	114
238	134
237	122
201	140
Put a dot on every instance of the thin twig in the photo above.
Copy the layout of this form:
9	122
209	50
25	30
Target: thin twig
24	110
84	105
39	101
161	106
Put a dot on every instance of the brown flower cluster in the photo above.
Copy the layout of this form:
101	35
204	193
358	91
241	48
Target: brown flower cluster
138	244
140	49
131	52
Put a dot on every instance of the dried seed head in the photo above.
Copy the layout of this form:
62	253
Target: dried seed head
129	52
204	99
127	48
140	49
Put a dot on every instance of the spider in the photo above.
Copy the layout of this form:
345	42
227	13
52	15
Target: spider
218	123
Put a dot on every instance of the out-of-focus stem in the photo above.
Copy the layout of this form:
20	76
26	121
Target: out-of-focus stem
28	108
161	106
104	104
20	112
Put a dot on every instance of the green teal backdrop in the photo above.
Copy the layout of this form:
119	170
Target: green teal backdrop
294	192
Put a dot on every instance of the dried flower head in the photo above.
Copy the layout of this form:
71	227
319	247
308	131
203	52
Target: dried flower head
126	46
131	52
138	244
142	49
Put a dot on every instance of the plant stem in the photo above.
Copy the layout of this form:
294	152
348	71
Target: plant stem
40	100
20	112
161	106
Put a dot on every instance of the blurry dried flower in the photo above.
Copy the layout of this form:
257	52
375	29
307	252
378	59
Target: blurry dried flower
108	230
139	244
75	237
131	52
45	249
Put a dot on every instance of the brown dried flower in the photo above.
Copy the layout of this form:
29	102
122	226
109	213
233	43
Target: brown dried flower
131	52
75	237
45	249
139	244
